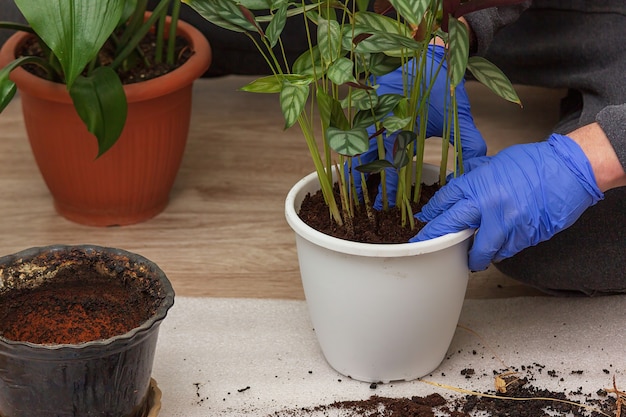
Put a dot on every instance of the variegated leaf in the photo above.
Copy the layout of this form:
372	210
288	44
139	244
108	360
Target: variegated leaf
293	98
458	51
341	71
329	40
277	24
491	76
223	13
411	10
351	142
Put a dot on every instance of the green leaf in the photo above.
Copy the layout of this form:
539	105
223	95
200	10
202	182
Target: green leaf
7	89
386	43
375	167
401	157
329	39
394	123
341	71
309	63
361	99
101	103
74	30
459	51
492	77
129	8
331	112
293	98
374	22
274	83
362	5
403	109
256	4
411	10
348	142
381	64
223	13
386	103
405	138
277	24
309	9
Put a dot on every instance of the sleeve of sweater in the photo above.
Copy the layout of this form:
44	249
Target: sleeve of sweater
612	119
486	23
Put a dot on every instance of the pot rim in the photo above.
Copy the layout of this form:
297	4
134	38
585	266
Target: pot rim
114	343
184	75
360	248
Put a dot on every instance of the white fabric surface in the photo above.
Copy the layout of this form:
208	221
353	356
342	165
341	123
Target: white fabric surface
239	357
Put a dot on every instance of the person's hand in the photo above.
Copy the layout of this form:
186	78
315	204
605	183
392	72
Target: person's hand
522	196
472	142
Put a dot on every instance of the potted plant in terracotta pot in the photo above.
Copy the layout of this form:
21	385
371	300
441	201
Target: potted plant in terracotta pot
78	331
106	96
388	310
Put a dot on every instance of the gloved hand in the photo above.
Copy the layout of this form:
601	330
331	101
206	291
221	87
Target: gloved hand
472	142
522	196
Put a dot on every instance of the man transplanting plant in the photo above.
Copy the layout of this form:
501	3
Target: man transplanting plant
420	49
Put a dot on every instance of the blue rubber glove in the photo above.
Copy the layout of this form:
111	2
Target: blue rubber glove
522	196
472	142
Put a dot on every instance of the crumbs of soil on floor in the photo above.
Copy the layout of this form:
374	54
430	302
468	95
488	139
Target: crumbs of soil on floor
546	403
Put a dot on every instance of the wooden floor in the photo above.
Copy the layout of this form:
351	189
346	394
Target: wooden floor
223	233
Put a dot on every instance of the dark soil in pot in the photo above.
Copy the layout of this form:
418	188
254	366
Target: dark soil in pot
385	228
136	73
82	308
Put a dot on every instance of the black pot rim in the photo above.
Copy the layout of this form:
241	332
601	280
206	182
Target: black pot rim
112	344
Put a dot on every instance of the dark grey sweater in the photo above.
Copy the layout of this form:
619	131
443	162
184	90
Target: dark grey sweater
575	44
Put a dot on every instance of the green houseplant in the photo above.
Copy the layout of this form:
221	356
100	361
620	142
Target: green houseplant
358	292
86	61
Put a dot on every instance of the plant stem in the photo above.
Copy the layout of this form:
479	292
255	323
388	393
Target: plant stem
16	26
159	10
458	145
50	70
160	31
325	183
171	39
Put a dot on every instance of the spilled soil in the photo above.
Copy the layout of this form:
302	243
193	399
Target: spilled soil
516	397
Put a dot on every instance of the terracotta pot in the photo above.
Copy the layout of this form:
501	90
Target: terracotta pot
381	312
51	295
132	181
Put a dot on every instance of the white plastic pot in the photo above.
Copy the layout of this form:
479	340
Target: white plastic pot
381	312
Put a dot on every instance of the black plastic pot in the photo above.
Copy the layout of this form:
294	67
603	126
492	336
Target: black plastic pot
104	378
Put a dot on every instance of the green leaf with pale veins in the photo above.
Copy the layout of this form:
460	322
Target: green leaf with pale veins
348	142
331	112
277	24
223	13
329	40
491	76
274	83
411	10
459	51
341	71
293	98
